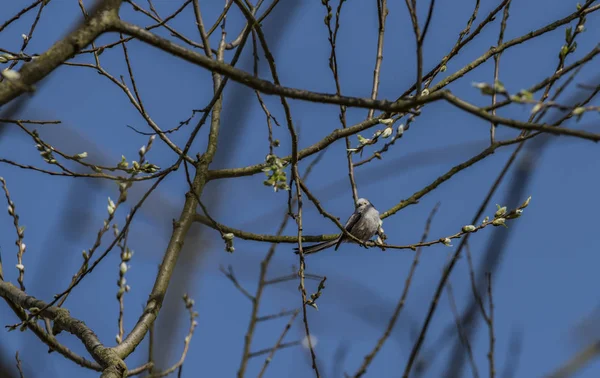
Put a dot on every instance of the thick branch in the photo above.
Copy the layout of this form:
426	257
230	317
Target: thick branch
182	225
61	317
341	133
105	14
163	278
264	85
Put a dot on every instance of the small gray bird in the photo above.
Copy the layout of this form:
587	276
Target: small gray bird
363	225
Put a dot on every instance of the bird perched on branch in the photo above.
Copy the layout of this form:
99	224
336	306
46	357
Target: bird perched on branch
363	224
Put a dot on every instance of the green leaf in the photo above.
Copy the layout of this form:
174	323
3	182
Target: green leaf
563	52
485	88
568	34
526	94
499	87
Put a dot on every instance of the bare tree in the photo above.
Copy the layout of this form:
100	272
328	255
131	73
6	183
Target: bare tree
237	47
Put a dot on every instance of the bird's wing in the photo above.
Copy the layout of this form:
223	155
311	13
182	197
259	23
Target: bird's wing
354	218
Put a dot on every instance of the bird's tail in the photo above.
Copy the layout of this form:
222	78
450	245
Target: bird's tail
317	247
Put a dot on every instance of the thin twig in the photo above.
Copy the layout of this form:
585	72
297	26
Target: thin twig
280	314
112	210
292	277
231	276
490	321
333	66
20	231
497	69
189	305
495	185
268	350
278	343
382	13
31	121
263	282
476	294
101	49
19	367
463	338
578	361
91	268
369	357
19	14
295	175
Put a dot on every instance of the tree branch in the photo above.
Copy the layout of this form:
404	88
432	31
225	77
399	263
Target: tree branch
265	86
105	14
106	357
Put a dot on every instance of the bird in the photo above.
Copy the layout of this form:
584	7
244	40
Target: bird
363	224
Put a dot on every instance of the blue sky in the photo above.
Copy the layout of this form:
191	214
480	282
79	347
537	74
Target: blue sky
546	284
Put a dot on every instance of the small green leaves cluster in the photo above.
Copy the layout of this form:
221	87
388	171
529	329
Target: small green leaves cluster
489	90
275	172
570	44
566	49
500	217
523	96
384	133
136	167
47	153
